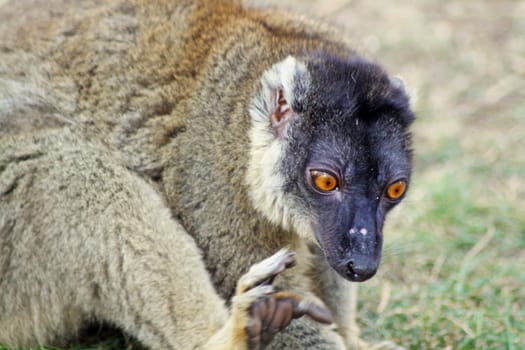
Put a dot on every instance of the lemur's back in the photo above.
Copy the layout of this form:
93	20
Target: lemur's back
134	75
103	62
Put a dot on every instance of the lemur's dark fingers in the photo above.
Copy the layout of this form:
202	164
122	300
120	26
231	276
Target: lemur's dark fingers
266	319
265	271
260	317
282	316
315	312
274	312
305	306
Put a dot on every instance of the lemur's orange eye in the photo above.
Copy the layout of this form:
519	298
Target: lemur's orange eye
324	181
396	189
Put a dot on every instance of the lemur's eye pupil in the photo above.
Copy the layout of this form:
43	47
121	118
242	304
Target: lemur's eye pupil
324	181
396	189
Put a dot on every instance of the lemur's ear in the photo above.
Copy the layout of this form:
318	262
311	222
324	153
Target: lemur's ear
282	86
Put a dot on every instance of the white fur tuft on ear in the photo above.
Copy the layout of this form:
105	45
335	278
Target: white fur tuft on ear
282	85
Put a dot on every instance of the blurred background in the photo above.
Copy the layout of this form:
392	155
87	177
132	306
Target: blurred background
453	274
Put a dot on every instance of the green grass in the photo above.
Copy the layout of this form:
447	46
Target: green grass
453	275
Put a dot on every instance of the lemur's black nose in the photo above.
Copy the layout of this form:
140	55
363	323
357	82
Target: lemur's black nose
359	270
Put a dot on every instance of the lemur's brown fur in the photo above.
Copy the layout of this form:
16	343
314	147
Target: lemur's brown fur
124	138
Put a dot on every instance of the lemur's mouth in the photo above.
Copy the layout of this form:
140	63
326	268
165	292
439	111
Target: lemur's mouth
357	272
357	262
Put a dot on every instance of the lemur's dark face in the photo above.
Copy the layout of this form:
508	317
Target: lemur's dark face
358	164
349	182
330	155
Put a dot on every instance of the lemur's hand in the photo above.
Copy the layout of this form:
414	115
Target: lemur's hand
259	312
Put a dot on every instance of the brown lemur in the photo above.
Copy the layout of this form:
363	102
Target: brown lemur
152	151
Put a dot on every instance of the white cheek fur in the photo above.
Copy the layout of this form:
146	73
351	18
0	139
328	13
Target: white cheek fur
263	178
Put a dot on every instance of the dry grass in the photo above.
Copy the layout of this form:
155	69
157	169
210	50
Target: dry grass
453	274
